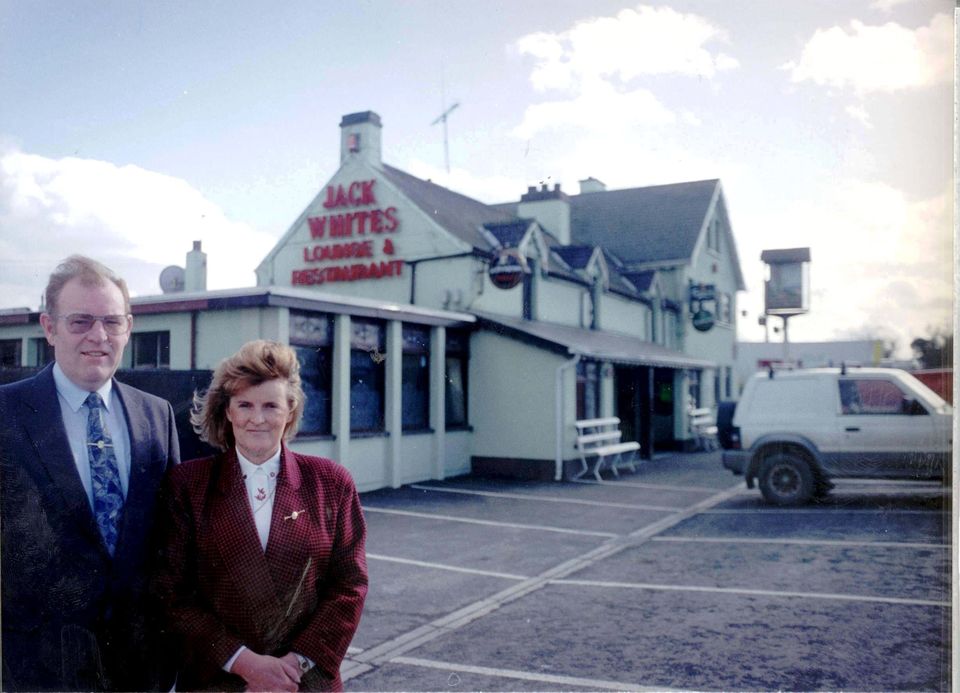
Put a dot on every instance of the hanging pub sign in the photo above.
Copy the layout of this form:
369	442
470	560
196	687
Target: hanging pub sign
702	318
508	269
353	242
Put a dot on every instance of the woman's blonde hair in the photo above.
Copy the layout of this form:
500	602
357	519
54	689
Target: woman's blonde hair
257	362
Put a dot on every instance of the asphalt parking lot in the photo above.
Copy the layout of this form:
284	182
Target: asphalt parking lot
673	577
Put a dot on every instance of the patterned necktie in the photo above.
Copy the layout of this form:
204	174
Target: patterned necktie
105	475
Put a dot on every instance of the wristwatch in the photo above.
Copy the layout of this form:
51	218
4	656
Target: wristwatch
305	664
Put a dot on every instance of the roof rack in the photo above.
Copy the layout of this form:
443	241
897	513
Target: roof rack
844	365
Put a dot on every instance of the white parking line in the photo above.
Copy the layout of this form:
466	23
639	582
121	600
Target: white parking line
655	487
405	642
444	566
589	684
748	592
804	542
490	523
546	499
829	509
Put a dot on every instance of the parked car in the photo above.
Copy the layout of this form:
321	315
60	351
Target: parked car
791	432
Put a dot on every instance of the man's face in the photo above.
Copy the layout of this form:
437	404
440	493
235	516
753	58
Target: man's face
91	358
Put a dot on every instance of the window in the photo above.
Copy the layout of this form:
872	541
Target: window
588	390
713	235
367	376
150	350
311	336
868	396
724	308
457	358
41	352
415	385
10	353
728	382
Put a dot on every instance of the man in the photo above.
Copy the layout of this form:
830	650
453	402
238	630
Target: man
81	459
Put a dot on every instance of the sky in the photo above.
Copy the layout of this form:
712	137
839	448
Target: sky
130	129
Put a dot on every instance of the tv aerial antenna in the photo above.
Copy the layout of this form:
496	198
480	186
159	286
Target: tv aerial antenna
442	118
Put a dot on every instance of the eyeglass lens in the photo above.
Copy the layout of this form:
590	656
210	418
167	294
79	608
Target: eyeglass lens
78	323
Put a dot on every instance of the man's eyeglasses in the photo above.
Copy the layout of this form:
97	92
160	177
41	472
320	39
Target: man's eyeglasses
81	323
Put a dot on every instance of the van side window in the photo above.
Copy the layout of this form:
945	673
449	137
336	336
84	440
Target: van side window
870	396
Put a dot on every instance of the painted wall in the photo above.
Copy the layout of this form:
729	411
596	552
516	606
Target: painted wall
560	301
391	229
619	314
512	398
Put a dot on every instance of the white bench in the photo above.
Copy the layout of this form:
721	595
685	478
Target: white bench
600	438
703	426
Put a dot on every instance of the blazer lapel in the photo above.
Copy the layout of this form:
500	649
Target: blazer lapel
239	544
142	480
288	547
43	422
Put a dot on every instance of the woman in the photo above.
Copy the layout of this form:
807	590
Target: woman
264	574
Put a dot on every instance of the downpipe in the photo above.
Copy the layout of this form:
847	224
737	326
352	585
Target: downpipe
558	412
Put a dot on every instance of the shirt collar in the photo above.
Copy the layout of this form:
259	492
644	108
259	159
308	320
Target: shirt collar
271	465
74	395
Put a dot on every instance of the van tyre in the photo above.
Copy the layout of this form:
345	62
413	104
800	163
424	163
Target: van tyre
786	479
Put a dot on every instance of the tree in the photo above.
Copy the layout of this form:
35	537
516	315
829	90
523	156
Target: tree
935	350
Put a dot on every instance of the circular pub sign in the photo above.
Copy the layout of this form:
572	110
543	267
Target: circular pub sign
702	320
507	271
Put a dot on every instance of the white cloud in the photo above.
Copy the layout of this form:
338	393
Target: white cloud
881	263
135	221
883	58
859	113
888	5
642	41
598	104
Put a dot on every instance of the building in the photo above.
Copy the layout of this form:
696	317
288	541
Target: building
511	321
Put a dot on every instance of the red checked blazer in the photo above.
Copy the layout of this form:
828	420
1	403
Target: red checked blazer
220	590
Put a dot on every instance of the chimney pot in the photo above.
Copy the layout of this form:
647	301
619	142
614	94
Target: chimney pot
196	245
543	187
556	187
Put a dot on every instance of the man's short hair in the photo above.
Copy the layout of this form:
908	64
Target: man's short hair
89	272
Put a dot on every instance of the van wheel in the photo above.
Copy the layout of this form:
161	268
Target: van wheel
786	479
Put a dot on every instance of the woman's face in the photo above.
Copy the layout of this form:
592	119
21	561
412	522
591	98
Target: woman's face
259	415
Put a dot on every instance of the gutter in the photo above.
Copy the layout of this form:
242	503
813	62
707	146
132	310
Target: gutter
558	411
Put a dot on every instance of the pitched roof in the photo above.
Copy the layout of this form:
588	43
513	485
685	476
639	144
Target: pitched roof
655	223
576	256
460	215
593	344
509	233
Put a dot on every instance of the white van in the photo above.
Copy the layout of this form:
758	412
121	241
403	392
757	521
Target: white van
792	431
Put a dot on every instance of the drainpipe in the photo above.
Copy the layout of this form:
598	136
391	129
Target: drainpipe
558	409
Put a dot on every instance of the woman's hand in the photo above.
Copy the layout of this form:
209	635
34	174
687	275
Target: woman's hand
266	673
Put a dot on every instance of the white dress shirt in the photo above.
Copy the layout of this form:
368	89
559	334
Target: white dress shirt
75	415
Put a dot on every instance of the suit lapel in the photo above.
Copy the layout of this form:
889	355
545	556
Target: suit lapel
288	547
43	421
140	482
239	544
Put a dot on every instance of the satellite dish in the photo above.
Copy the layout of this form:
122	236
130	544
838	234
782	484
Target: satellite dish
172	279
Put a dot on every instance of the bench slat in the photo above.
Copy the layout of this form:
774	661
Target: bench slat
590	438
590	423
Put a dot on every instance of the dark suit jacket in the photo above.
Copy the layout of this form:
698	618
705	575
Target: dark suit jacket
221	590
72	616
